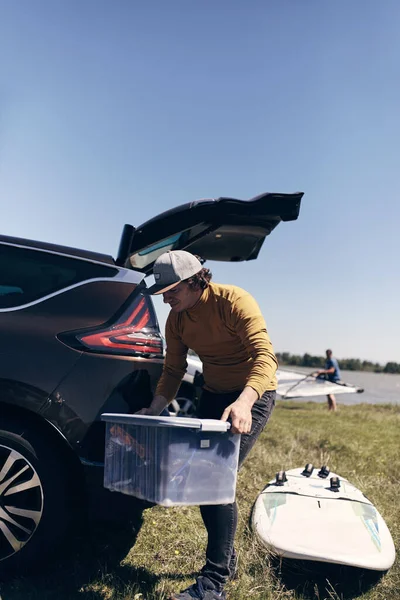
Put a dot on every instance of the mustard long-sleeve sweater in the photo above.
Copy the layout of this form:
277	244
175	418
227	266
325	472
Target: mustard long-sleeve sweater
228	332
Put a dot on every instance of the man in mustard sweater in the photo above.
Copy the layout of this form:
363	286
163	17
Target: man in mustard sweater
224	326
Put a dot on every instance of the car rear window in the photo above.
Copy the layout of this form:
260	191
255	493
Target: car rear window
27	274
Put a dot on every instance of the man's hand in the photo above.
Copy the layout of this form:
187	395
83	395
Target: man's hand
156	407
145	411
239	413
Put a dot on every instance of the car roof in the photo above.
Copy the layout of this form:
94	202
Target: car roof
58	249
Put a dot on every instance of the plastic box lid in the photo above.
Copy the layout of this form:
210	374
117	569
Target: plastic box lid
148	421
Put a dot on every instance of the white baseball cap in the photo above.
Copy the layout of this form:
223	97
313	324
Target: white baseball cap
171	268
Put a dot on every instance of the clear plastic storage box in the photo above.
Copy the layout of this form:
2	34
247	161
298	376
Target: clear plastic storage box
171	460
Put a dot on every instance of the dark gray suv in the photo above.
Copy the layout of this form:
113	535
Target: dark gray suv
79	338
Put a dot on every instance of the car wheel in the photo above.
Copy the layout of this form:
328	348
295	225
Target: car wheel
182	407
33	499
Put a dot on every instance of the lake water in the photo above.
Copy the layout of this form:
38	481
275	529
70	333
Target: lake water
378	388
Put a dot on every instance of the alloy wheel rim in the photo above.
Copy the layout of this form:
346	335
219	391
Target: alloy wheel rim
21	501
185	406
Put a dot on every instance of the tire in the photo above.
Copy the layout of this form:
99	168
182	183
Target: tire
184	404
186	407
34	511
182	407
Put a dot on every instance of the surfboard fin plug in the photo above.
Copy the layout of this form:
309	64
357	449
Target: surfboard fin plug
324	472
308	469
335	484
280	478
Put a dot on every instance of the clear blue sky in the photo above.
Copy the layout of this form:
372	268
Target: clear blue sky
111	112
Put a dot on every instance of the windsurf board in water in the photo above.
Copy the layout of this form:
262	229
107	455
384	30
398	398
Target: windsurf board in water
312	514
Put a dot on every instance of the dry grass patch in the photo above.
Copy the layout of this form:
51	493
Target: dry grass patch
360	442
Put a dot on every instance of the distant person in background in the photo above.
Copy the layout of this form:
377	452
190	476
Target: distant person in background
331	373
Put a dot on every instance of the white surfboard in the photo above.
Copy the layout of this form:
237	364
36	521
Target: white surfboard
303	514
292	384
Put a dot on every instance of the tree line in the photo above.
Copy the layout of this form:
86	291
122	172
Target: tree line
347	364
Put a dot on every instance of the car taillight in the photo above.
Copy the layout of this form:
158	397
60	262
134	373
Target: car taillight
135	333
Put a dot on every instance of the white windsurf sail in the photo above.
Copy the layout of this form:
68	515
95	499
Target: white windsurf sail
292	384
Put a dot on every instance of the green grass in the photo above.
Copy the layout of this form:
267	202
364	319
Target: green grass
165	549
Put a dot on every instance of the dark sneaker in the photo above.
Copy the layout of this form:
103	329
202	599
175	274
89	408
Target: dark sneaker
203	589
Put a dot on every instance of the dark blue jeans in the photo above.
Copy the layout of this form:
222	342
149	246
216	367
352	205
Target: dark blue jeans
220	520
